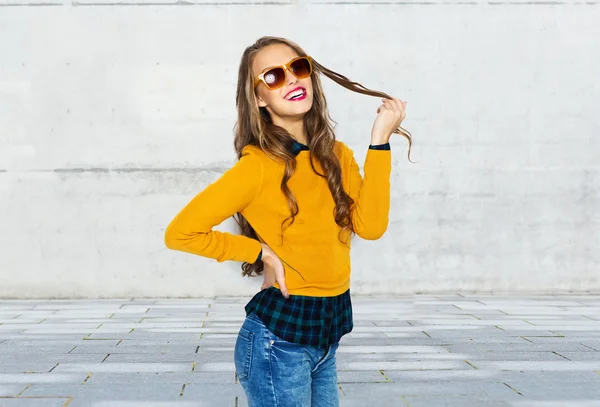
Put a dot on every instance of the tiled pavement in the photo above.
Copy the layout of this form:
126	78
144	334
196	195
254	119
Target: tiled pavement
418	351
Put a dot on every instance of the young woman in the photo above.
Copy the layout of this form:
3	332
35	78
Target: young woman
298	198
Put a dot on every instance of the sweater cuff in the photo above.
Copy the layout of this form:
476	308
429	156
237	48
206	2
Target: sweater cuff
385	146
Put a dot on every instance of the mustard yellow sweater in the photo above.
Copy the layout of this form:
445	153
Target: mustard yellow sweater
316	262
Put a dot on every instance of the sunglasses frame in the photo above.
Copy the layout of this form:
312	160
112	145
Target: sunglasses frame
286	67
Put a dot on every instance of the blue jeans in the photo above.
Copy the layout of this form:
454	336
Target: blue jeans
278	373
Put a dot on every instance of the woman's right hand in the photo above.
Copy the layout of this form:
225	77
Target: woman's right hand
273	270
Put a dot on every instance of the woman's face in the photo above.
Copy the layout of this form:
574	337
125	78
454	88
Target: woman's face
277	101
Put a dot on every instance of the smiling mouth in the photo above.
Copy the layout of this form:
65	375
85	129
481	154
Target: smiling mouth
296	94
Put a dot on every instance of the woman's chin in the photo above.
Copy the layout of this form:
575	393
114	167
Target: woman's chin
299	108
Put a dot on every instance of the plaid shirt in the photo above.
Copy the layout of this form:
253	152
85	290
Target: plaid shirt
316	321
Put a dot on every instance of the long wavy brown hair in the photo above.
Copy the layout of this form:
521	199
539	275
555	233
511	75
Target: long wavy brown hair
255	127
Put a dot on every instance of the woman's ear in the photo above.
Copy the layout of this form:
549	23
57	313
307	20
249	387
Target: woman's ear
260	102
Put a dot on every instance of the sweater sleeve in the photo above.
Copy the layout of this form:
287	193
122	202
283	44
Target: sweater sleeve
371	194
191	229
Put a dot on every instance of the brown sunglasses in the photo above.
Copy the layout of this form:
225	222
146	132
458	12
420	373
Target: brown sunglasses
274	78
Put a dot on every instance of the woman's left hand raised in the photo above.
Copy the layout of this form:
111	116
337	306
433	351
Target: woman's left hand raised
389	116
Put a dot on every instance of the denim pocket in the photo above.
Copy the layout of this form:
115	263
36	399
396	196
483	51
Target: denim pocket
242	354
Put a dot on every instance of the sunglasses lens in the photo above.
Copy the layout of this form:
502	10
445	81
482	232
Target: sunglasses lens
301	68
275	77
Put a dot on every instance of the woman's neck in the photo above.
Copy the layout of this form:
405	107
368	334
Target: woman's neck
295	128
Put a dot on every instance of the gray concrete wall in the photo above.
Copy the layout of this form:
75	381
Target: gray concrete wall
114	114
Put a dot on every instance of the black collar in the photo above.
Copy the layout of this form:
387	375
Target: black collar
297	147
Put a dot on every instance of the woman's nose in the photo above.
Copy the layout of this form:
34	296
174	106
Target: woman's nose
290	77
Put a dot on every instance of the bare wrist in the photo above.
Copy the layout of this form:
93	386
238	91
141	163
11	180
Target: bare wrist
266	253
376	140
